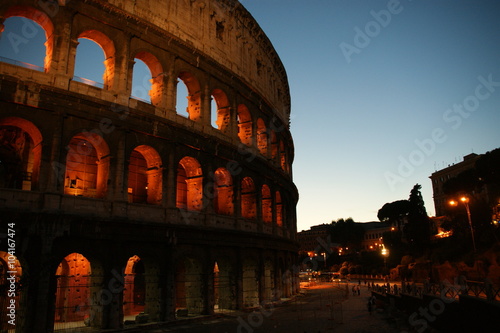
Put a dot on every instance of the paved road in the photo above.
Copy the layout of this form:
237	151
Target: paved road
323	308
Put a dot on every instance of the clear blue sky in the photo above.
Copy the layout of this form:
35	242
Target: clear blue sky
384	93
359	104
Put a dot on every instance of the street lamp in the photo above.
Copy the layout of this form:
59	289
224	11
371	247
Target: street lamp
465	201
385	254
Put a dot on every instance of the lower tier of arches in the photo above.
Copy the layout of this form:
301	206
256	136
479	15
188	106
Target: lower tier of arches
82	272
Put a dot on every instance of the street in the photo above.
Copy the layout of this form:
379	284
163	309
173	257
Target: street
322	308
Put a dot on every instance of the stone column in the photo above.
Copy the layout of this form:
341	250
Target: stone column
206	113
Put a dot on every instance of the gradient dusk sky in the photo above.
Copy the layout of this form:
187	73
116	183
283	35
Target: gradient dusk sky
383	93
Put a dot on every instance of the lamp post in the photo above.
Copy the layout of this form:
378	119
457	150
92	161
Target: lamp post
465	201
385	254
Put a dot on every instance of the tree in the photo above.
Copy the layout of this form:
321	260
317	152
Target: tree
466	182
489	174
394	212
347	233
417	230
481	185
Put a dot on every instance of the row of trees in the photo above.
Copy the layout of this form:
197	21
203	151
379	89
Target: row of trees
414	228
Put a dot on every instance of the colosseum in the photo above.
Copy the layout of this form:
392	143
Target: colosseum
118	210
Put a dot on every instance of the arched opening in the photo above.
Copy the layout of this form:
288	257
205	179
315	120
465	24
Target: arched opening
279	209
23	42
274	146
189	298
141	81
182	99
189	184
282	156
224	286
87	166
145	176
73	304
10	290
244	125
94	45
223	196
261	136
267	204
20	154
134	292
192	87
250	283
220	110
248	199
147	81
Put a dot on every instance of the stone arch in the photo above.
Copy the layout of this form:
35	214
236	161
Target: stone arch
134	291
108	48
10	288
222	113
44	21
279	209
87	166
156	69
20	153
224	283
145	176
194	95
223	196
248	199
262	136
245	131
73	302
267	204
189	298
189	184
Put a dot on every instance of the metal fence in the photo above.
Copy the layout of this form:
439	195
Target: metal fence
478	289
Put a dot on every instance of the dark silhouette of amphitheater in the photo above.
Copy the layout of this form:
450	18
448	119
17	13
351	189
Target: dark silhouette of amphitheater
116	208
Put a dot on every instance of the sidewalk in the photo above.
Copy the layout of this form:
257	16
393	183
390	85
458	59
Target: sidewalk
321	309
357	319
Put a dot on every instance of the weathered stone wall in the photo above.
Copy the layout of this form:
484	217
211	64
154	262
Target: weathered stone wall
80	202
226	32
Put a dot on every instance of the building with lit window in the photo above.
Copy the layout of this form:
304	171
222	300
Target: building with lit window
440	177
143	209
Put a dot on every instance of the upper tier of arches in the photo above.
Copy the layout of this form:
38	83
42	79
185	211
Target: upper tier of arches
212	104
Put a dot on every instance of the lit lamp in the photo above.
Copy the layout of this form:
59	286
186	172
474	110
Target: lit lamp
465	201
385	254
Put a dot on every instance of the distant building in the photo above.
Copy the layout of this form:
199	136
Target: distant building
374	231
440	177
314	240
317	239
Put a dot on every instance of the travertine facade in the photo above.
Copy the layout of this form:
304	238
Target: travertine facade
122	206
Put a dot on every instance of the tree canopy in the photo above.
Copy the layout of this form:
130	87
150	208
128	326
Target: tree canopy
347	233
410	216
394	212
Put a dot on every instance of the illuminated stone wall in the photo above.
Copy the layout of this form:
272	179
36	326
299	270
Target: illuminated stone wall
138	207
